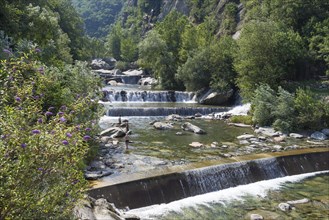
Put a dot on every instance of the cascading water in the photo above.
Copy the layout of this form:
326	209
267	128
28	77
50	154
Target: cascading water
174	186
150	96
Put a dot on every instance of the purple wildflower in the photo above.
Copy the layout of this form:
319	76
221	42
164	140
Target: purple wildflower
51	108
7	51
35	131
40	169
72	112
88	129
65	142
18	99
86	137
49	113
41	70
62	119
3	136
68	135
40	120
23	145
63	108
60	113
38	50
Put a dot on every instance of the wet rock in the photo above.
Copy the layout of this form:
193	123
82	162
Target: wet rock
83	210
224	146
198	115
179	133
256	217
133	72
319	136
147	81
152	122
196	144
112	83
262	138
162	126
105	139
227	155
97	165
174	117
301	201
245	136
284	207
291	147
94	175
295	135
106	210
111	131
193	128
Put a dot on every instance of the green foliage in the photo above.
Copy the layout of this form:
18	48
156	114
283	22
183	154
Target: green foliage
264	103
98	16
267	54
244	119
311	112
284	111
196	72
228	24
42	150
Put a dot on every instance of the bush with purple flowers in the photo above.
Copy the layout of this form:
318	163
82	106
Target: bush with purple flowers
40	158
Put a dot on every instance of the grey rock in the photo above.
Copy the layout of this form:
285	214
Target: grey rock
97	64
196	144
162	126
278	147
214	144
133	72
147	81
179	133
267	131
295	135
319	136
174	117
300	201
256	217
83	211
284	207
213	97
244	142
111	131
192	128
245	136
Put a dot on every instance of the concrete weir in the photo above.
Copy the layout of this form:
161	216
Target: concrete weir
139	190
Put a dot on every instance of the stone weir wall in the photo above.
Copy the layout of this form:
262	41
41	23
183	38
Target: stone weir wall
175	186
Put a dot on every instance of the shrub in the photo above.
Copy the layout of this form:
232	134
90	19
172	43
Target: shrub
42	150
245	119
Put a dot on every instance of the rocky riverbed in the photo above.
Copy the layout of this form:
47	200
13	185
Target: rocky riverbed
114	159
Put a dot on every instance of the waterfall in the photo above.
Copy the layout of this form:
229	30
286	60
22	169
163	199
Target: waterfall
174	186
150	96
240	109
149	111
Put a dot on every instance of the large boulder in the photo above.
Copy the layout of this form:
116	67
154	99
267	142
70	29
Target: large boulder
147	81
319	136
193	128
133	72
213	97
97	64
113	132
162	125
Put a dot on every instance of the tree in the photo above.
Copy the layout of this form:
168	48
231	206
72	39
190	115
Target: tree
268	53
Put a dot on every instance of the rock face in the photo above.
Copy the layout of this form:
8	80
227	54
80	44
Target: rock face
171	5
212	97
162	125
193	128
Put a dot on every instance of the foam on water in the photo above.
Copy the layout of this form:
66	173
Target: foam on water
221	197
240	109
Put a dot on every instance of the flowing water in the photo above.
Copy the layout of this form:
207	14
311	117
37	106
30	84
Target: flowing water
141	106
257	198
